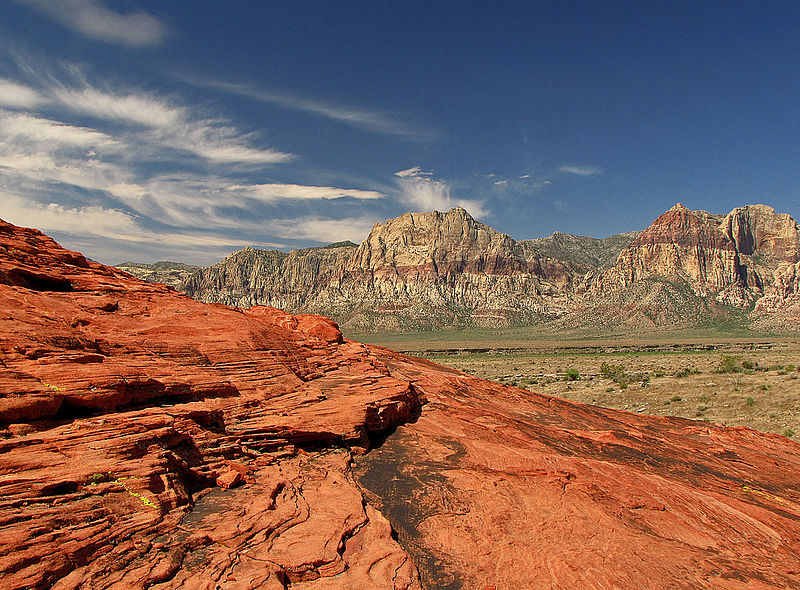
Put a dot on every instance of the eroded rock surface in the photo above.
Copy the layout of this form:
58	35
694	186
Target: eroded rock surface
497	487
123	404
151	441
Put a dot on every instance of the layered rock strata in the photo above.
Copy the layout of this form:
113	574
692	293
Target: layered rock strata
151	441
419	270
424	270
688	261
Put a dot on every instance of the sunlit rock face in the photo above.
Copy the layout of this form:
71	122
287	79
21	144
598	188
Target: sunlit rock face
428	270
420	270
686	262
151	441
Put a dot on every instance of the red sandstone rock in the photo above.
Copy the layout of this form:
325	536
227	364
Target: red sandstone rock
230	479
121	403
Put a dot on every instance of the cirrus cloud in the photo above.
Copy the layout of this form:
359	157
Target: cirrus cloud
581	170
92	19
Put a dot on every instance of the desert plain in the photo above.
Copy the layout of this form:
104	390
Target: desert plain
737	378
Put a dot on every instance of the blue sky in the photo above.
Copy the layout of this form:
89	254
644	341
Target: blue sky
177	130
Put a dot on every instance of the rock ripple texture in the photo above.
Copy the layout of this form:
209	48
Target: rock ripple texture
151	441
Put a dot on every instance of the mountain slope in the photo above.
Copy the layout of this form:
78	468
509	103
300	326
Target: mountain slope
173	274
419	270
427	270
705	265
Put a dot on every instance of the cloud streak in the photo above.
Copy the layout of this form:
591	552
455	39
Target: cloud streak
116	166
581	170
153	122
371	121
94	20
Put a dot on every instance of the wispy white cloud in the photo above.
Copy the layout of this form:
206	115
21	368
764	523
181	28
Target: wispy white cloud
415	171
139	108
159	122
29	129
125	172
372	121
93	19
418	190
16	95
524	176
90	220
114	235
275	191
324	230
216	143
581	170
501	183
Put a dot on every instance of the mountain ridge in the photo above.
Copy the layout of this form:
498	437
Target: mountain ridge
433	269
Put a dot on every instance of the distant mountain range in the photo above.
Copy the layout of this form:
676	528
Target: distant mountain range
423	270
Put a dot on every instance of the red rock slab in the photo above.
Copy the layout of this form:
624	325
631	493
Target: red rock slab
122	403
496	486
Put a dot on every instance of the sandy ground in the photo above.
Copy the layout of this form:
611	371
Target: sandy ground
753	384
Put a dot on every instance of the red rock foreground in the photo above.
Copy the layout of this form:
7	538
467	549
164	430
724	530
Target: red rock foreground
150	441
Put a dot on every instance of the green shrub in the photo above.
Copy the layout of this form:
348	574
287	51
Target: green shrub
788	432
728	364
749	402
685	372
613	372
764	387
572	375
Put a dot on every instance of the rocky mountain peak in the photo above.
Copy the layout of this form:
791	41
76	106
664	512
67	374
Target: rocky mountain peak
679	207
758	229
416	239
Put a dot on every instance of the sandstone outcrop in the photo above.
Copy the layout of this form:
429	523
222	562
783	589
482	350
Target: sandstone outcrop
152	441
692	260
419	270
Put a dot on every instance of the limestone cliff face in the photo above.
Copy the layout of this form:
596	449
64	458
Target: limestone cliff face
302	279
173	274
418	270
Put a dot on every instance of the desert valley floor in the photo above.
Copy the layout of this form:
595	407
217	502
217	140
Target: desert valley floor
751	381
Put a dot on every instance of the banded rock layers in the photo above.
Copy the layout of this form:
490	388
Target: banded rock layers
424	270
151	441
418	270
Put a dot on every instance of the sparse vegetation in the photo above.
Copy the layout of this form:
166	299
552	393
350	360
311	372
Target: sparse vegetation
788	432
613	372
728	364
685	372
749	402
572	375
676	371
